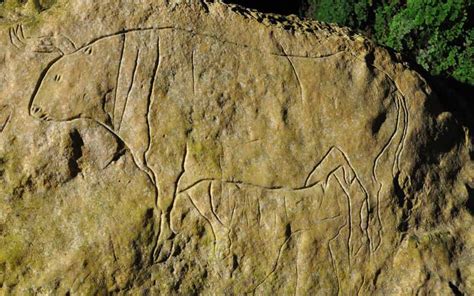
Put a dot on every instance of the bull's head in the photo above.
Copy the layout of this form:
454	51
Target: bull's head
80	84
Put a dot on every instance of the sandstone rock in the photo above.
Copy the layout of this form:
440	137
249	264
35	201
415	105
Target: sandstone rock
192	147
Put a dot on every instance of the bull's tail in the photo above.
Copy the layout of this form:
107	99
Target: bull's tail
391	153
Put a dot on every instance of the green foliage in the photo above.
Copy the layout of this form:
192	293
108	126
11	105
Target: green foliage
436	33
344	12
328	11
38	5
44	4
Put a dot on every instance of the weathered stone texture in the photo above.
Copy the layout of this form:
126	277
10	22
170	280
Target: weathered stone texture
183	147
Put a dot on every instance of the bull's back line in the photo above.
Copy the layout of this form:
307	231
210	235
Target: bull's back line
217	38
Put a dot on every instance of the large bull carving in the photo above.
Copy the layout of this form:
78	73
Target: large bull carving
193	108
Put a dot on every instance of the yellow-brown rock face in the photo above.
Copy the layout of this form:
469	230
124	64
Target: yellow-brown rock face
190	147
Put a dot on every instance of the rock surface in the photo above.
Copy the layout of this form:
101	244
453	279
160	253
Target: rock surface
192	147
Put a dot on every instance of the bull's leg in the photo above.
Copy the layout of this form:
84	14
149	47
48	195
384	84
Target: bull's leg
167	179
170	119
316	271
164	244
337	164
164	241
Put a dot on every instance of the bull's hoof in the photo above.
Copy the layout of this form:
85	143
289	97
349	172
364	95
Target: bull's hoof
163	251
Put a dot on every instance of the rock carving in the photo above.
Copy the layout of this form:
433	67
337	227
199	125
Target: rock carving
132	85
194	147
5	116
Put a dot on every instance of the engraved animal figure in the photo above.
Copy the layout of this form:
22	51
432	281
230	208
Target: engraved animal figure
316	218
192	107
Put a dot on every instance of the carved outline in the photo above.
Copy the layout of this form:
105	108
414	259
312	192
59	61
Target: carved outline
124	39
275	265
333	260
399	151
6	108
374	169
205	218
150	102
300	85
193	71
406	121
211	203
364	228
17	34
349	221
135	67
175	193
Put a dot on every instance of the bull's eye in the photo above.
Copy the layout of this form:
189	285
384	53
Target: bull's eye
57	77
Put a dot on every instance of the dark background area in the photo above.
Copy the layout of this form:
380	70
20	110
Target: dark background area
285	7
